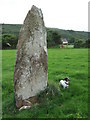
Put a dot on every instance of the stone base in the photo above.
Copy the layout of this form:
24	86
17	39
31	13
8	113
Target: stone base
28	102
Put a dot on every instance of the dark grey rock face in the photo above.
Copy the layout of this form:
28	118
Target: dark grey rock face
31	69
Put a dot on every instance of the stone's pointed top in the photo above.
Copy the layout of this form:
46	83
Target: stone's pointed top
36	10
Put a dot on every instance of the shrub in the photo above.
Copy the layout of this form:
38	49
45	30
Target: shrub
53	38
10	39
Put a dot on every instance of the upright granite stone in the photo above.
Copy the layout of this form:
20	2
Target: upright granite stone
31	69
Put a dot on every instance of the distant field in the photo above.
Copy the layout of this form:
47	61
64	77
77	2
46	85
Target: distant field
59	103
70	46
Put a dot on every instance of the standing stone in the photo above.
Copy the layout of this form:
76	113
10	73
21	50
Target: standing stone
31	69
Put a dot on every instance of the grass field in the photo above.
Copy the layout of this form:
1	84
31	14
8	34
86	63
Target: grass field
58	103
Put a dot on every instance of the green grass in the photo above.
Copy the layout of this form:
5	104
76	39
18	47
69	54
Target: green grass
58	103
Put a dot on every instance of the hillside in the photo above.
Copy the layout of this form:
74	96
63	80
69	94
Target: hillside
15	28
81	35
10	34
11	28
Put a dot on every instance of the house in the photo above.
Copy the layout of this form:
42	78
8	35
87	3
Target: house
64	43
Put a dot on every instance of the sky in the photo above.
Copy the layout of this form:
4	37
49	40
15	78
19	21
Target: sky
62	14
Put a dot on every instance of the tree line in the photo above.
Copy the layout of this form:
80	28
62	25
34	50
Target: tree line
9	41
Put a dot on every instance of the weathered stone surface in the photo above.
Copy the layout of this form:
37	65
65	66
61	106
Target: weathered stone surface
31	69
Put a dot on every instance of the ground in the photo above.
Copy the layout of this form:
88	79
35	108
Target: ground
54	102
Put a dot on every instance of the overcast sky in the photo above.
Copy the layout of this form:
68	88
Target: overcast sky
63	14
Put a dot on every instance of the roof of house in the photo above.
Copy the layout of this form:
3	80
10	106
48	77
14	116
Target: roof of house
64	40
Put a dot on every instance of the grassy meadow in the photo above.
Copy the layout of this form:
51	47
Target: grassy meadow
58	103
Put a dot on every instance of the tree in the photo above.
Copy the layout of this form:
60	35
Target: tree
72	40
53	38
87	43
9	38
56	38
78	44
